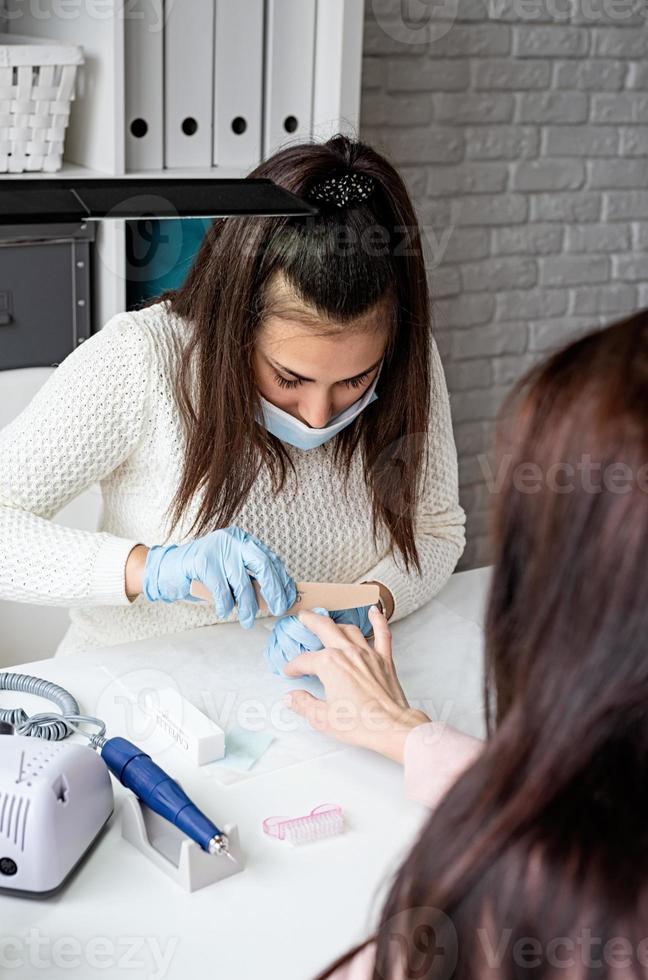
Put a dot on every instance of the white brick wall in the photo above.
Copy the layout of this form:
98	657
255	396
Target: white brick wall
521	128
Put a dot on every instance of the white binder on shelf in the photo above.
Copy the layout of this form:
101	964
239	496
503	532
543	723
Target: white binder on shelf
188	83
338	68
289	63
144	85
238	83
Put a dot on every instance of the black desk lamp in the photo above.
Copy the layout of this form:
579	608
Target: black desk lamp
61	199
65	212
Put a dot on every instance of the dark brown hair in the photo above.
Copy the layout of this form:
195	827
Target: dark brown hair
546	835
343	262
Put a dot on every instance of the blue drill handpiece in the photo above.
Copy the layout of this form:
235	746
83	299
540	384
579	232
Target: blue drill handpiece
154	787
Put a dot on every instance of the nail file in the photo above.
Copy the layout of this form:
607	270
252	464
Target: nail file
328	595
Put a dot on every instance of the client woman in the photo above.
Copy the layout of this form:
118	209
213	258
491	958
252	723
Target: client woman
540	834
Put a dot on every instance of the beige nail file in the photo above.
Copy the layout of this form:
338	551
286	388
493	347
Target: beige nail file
328	595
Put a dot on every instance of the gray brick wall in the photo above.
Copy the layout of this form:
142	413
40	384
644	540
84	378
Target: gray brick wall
521	128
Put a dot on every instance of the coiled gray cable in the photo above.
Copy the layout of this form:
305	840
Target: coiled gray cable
49	725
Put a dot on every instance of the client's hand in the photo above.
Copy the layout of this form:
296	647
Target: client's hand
365	704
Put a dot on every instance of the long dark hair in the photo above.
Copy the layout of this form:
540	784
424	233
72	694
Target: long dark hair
545	835
342	262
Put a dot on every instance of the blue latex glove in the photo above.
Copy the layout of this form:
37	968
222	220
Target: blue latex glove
224	561
290	637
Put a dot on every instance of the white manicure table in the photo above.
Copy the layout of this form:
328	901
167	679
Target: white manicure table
292	910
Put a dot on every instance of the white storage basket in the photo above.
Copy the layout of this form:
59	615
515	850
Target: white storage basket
37	79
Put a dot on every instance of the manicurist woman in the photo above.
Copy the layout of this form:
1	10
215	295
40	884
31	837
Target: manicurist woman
282	416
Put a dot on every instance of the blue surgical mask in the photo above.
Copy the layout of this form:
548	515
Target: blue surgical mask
295	432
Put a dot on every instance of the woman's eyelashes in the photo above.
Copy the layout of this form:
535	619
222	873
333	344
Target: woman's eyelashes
357	382
285	382
351	383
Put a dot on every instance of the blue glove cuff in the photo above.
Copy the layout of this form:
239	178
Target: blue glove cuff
151	574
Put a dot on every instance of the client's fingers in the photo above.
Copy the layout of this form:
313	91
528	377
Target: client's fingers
355	635
309	662
309	707
323	627
382	633
383	647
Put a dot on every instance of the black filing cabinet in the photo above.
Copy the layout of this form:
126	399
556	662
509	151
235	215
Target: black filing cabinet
45	294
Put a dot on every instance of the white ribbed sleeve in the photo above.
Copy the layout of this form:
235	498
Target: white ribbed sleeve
79	427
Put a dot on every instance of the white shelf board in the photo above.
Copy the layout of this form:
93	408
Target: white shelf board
195	173
67	170
70	169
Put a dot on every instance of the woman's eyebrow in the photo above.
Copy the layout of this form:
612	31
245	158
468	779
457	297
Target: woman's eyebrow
300	377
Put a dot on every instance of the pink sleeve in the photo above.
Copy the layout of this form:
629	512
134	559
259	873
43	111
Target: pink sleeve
435	755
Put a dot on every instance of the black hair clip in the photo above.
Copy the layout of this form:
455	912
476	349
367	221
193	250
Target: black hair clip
342	190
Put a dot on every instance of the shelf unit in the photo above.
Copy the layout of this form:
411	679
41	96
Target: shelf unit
95	143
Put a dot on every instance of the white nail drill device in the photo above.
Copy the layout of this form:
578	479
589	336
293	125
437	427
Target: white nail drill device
54	801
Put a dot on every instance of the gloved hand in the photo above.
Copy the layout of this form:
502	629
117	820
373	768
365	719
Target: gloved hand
289	637
224	561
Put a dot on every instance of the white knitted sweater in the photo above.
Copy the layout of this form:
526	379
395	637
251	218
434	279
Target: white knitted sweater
107	414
